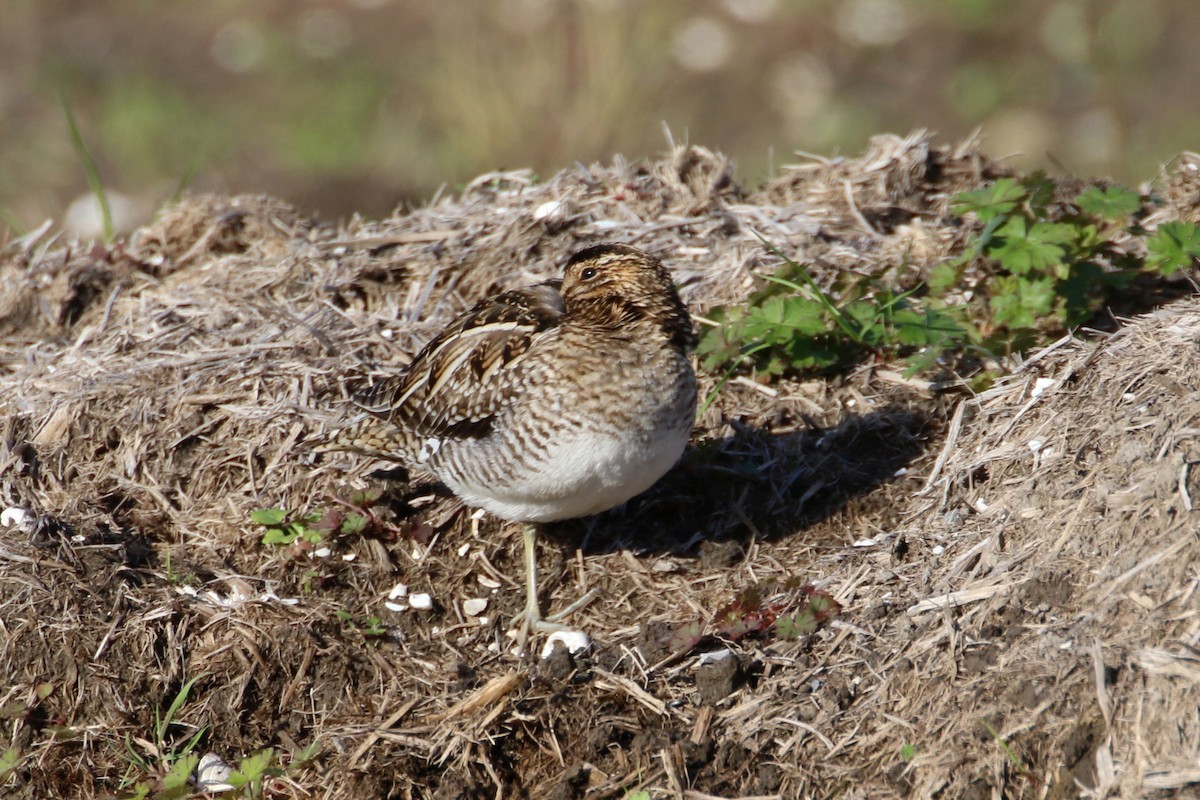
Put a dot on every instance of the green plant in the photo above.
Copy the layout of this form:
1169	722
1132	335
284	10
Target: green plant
95	184
1044	264
1009	753
177	761
1174	246
371	626
793	325
10	759
785	609
253	770
349	517
1038	264
789	609
170	575
249	777
284	530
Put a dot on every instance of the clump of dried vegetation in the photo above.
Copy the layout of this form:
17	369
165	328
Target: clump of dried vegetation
928	585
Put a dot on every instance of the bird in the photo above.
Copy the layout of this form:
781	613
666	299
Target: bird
557	401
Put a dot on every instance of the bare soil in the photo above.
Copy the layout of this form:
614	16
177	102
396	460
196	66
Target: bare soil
1016	570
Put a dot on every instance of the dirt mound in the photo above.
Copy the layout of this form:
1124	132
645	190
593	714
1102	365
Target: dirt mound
1015	570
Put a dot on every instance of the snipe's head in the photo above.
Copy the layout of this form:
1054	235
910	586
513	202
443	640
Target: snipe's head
617	285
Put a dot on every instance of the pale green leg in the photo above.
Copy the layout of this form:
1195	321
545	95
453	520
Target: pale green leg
531	618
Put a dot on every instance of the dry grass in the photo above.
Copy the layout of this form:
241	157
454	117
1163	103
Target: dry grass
1016	570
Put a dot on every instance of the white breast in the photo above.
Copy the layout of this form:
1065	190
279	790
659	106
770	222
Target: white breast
581	475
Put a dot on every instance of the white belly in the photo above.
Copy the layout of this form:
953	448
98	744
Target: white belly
580	476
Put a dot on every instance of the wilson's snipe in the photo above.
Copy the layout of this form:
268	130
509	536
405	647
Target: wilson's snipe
551	402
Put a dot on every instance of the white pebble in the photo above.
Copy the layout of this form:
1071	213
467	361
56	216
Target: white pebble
390	606
488	583
16	516
475	606
399	590
574	641
1041	385
938	549
421	601
322	552
464	549
349	556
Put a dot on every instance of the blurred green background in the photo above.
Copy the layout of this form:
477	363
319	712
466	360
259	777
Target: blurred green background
360	105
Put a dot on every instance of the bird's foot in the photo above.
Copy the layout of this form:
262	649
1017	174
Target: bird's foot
531	618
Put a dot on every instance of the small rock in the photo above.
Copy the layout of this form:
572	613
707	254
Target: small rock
717	677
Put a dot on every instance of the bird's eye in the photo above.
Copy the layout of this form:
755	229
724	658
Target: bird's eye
587	274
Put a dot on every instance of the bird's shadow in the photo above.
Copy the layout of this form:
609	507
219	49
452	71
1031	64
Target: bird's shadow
756	485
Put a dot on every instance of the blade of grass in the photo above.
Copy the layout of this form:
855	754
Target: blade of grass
813	290
185	180
728	376
9	220
165	721
89	167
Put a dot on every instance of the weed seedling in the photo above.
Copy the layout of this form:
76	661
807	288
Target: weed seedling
284	530
371	626
793	326
176	763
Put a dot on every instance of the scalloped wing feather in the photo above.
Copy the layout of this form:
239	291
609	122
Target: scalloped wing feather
459	381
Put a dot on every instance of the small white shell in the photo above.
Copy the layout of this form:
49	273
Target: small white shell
713	656
475	606
212	774
574	641
420	601
399	590
17	516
